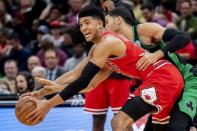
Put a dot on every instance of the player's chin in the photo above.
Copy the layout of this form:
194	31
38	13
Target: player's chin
88	39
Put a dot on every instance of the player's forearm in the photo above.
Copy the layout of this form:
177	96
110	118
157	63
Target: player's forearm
67	77
56	100
100	76
72	75
43	92
80	83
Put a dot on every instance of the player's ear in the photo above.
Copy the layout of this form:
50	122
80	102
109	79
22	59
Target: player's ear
100	24
119	20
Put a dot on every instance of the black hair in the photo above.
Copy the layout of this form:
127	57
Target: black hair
12	35
166	4
148	6
56	7
127	16
93	11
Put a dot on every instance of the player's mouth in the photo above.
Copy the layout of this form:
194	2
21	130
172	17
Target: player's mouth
87	35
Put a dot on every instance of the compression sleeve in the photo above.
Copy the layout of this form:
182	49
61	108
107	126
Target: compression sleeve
89	71
174	40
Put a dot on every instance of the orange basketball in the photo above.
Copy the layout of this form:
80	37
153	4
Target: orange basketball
23	108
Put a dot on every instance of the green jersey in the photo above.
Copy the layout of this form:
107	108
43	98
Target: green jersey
188	101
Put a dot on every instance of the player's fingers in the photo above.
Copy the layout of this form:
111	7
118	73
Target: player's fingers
32	118
145	63
144	68
31	115
36	120
43	81
140	62
24	95
142	54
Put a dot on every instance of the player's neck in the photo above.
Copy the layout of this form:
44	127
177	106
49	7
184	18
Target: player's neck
126	31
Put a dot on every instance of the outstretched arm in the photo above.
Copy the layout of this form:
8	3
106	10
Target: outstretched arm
96	64
72	75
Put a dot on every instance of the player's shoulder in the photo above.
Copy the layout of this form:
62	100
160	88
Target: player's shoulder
148	24
111	39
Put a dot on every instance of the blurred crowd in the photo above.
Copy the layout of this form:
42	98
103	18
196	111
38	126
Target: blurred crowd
41	38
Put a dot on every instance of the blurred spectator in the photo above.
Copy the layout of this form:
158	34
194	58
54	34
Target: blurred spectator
26	10
47	43
56	31
165	11
4	87
31	10
187	22
71	17
137	10
67	44
55	13
24	82
39	71
148	12
51	13
18	28
10	70
51	61
32	62
107	5
4	48
35	45
194	7
78	56
18	52
5	18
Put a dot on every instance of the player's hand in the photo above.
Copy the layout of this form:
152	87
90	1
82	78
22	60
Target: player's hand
148	59
50	85
36	94
39	113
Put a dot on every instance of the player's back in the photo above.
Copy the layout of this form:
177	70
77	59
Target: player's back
126	63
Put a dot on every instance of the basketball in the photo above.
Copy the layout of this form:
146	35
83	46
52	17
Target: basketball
23	108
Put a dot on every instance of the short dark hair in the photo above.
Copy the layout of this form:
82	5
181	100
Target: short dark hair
148	6
12	35
93	11
127	16
188	1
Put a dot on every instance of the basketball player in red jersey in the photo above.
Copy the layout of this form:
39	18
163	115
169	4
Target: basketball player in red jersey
162	82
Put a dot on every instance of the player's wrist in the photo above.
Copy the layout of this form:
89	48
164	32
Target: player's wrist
159	54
